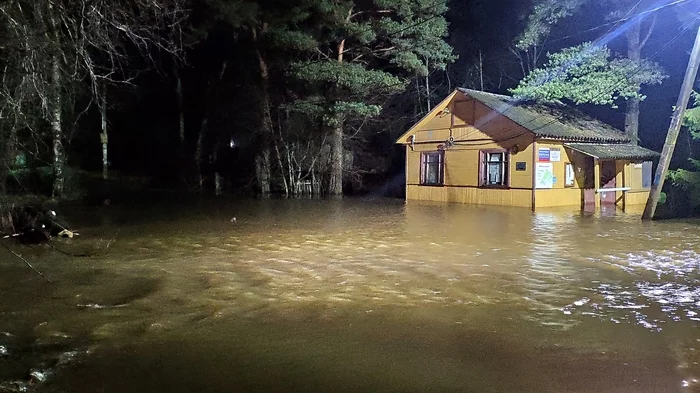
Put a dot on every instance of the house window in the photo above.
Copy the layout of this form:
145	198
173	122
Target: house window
494	168
432	168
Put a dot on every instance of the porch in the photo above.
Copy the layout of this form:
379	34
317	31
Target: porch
615	174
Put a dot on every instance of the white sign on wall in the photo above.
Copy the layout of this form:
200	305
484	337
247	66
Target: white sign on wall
544	175
554	155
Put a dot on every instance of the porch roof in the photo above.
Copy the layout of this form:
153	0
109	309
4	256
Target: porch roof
613	151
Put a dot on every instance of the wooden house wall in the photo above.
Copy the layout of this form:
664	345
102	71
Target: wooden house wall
637	195
476	127
560	194
473	129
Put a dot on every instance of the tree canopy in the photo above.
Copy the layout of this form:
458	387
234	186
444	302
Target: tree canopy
588	74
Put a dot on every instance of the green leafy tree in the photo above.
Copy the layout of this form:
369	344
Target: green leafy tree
366	50
636	19
588	74
688	180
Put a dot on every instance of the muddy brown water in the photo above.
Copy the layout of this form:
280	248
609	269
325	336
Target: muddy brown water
354	296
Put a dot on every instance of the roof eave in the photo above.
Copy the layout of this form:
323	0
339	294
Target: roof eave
582	140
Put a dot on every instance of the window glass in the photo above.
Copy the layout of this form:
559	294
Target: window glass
495	169
432	168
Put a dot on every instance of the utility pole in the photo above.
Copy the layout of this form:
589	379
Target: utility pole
673	130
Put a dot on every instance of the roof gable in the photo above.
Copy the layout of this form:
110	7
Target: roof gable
436	111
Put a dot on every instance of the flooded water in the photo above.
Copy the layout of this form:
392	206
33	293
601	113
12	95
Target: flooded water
354	296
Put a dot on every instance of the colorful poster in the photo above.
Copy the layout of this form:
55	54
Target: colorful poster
554	155
543	155
544	175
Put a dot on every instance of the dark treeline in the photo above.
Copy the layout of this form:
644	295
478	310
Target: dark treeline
301	97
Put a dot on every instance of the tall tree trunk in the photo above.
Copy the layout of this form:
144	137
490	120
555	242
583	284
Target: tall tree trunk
182	151
427	86
264	172
218	185
418	108
634	53
55	109
481	71
199	152
282	166
180	106
56	121
5	166
635	44
9	150
335	185
104	137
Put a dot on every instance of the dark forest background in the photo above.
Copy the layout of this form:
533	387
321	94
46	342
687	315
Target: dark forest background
302	97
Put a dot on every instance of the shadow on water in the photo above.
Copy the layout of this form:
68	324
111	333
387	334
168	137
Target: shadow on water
358	295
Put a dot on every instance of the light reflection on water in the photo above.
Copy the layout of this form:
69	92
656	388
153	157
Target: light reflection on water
555	297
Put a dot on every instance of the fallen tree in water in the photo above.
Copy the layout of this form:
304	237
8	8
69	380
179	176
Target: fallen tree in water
31	223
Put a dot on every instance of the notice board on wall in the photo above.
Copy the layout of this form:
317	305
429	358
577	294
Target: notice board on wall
544	175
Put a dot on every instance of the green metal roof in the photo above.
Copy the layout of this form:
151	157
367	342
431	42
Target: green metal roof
613	151
554	121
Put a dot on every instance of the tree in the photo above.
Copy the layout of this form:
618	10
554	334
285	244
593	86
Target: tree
688	180
636	18
587	74
271	29
65	50
366	51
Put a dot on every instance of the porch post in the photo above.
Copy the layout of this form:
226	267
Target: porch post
406	171
596	181
623	183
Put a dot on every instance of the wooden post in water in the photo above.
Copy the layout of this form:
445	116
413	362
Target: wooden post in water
673	131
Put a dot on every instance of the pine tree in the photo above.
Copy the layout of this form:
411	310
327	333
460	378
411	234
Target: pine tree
366	50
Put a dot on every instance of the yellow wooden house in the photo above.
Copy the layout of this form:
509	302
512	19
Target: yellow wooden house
482	148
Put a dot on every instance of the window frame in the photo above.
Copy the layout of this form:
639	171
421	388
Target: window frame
424	166
483	155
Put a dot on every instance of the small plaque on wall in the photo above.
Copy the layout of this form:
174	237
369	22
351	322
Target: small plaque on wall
520	166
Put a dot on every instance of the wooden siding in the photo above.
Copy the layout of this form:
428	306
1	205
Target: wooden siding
475	127
462	163
558	197
636	176
638	197
470	195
